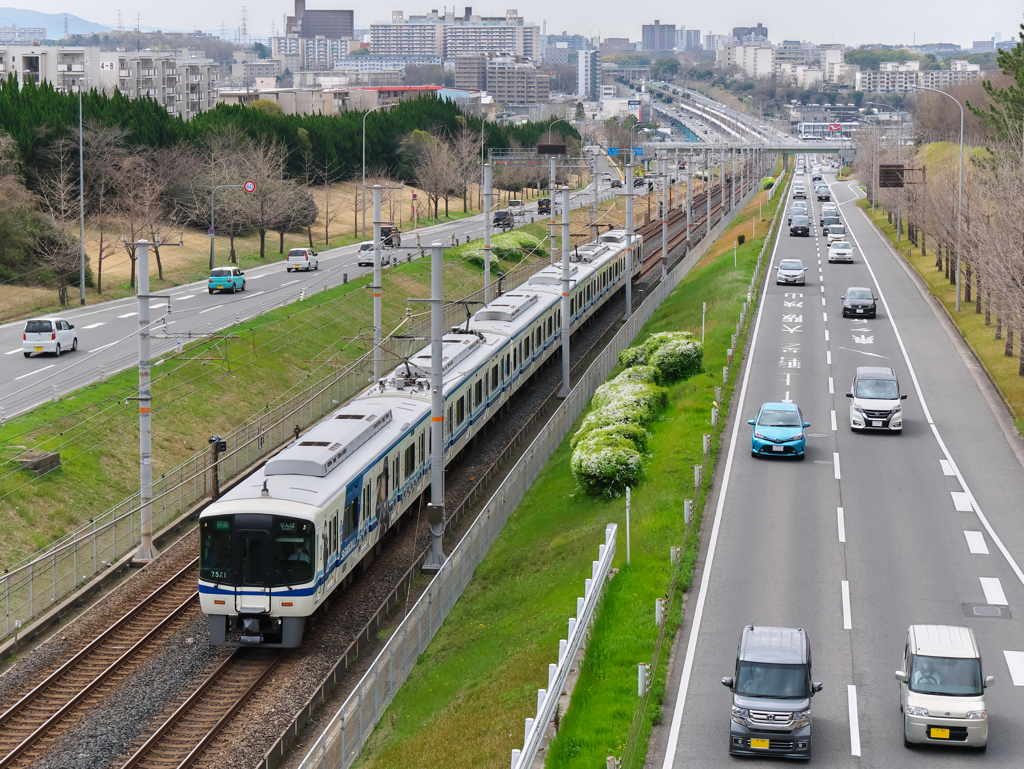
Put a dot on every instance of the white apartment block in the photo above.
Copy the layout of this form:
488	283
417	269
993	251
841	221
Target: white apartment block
717	42
588	75
898	77
833	58
182	86
755	60
448	36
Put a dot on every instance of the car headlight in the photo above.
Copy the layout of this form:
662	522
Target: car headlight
898	411
758	435
859	409
740	712
797	437
973	715
913	710
801	719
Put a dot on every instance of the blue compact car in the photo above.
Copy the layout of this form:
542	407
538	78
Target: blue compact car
778	431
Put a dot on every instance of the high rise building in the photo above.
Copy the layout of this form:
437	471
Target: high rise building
330	24
758	34
516	83
449	36
693	40
714	42
658	36
588	67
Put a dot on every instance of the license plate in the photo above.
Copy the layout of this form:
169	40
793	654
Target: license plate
860	310
777	448
876	423
937	734
764	743
38	349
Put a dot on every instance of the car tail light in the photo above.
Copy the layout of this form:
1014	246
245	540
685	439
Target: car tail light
24	337
307	257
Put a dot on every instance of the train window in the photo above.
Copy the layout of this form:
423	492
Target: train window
367	496
351	521
460	410
396	467
479	392
423	446
215	548
448	421
410	460
294	547
252	564
551	326
334	534
515	358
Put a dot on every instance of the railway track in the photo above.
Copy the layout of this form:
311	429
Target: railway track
677	218
181	739
30	726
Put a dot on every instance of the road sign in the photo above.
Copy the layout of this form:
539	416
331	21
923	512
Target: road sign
211	232
551	149
249	186
632	103
414	196
638	151
613	151
891	175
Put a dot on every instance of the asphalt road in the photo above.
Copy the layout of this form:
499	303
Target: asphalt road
107	331
868	535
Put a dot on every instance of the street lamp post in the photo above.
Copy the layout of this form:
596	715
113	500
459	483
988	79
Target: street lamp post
81	202
373	109
960	187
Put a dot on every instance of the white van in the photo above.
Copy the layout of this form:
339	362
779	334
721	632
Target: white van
302	259
48	335
942	688
876	400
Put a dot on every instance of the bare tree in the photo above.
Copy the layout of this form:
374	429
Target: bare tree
436	170
264	164
465	150
300	212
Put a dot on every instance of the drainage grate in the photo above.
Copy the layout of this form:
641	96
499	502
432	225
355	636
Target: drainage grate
986	610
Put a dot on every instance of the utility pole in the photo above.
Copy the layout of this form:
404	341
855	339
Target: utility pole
664	217
566	315
488	195
709	171
593	216
435	510
551	192
377	280
629	235
689	200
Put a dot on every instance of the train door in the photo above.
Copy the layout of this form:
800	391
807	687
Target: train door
253	567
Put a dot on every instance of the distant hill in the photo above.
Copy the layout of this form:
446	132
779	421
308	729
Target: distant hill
54	22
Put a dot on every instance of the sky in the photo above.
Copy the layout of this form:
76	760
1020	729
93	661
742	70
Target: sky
852	23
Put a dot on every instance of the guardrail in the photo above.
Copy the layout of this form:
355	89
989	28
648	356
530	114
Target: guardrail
343	738
567	648
35	585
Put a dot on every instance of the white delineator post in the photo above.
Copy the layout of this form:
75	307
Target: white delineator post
147	551
435	510
629	236
566	314
376	284
488	195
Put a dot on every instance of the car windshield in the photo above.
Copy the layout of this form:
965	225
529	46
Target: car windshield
800	220
778	418
790	264
38	327
858	293
836	229
878	389
297	252
830	220
955	676
839	245
771	679
366	246
224	272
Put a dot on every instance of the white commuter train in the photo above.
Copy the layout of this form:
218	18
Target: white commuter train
278	544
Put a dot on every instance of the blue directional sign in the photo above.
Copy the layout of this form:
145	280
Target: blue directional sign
613	150
638	150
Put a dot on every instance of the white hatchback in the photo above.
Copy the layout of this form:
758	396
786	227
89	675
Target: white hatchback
54	335
302	259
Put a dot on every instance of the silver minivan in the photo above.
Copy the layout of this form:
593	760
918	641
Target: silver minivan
54	335
876	400
942	688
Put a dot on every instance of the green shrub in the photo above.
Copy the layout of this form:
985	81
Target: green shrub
678	358
741	239
635	434
646	398
768	183
647	374
633	356
604	463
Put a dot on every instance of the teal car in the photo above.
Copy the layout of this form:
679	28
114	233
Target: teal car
230	279
778	431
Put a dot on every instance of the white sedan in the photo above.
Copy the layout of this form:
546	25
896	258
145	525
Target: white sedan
840	251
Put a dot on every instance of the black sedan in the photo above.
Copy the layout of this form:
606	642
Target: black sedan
859	303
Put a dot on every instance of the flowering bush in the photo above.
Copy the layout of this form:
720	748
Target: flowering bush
647	374
510	246
675	353
604	462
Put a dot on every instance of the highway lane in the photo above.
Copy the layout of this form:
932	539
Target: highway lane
106	332
876	513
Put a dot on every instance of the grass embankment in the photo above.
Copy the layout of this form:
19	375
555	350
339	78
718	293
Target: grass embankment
464	704
982	338
272	358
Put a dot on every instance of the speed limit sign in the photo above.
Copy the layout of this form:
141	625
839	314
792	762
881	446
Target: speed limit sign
249	186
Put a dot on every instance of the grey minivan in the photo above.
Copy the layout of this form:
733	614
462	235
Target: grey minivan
771	693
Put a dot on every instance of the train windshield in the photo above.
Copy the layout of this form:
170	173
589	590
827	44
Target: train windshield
294	552
215	550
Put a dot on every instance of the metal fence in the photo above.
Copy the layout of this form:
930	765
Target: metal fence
35	585
342	740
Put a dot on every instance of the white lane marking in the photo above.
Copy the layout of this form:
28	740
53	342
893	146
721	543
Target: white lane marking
946	467
33	373
822	301
256	294
128	315
1015	662
976	542
95	325
842	524
182	298
993	591
828	357
823	289
104	347
217	307
961	501
705	580
870	354
826	334
847	621
833	420
787	399
835	463
289	283
931	423
12	352
787	377
824	315
831	387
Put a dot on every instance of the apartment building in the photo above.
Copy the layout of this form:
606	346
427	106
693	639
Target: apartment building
758	34
448	36
375	63
16	34
789	52
754	60
900	76
516	83
658	36
833	58
715	43
588	75
330	24
471	71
